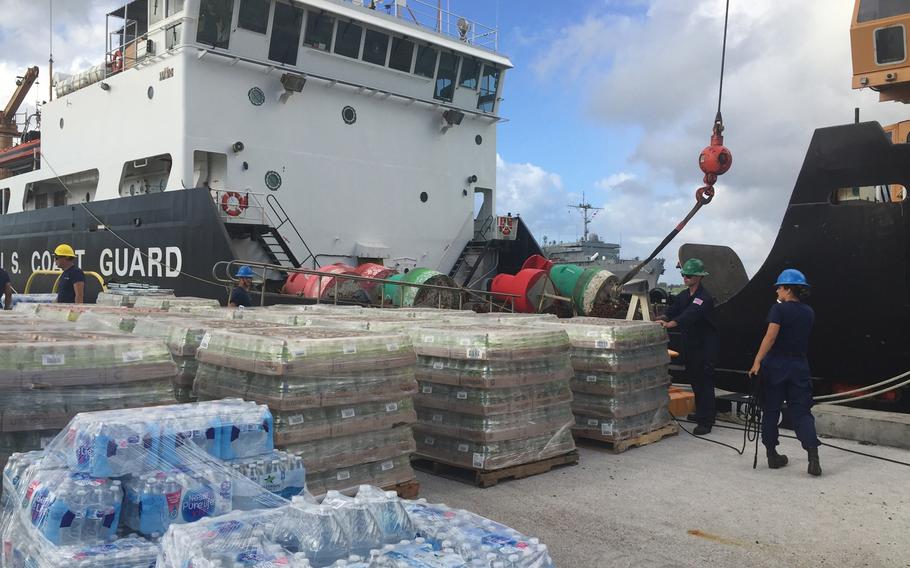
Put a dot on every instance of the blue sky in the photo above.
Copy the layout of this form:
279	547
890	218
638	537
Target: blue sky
614	98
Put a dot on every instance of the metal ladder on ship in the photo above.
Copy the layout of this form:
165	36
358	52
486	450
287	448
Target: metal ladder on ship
275	243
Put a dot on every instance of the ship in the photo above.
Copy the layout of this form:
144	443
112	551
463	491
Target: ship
295	134
847	227
590	250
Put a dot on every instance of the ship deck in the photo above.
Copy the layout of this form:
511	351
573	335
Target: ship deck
684	502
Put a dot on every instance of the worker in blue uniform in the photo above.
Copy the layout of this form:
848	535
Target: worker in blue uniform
781	360
71	285
240	295
692	312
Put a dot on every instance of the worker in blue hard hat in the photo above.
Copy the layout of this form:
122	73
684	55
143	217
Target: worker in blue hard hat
693	312
240	295
781	359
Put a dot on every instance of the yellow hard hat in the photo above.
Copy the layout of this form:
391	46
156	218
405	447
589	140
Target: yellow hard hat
64	250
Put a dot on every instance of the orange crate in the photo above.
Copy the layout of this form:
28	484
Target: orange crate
682	403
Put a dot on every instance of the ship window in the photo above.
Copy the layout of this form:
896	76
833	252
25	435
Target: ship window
4	207
489	83
40	201
174	7
426	61
445	76
889	45
347	41
156	11
402	54
254	15
470	69
215	23
319	31
878	9
893	193
286	26
173	35
59	198
375	47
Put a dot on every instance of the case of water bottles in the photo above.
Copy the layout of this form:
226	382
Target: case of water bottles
175	304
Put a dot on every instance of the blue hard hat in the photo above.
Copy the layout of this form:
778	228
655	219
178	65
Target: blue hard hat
791	277
244	272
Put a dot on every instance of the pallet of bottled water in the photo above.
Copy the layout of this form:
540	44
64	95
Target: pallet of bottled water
621	378
492	395
372	529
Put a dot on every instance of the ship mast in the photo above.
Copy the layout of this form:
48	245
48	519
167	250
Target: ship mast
588	211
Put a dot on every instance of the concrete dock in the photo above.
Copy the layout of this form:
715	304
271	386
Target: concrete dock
685	502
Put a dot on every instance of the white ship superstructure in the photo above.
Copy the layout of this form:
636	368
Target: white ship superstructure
373	134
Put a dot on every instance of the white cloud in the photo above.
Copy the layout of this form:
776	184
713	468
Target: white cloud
788	72
614	180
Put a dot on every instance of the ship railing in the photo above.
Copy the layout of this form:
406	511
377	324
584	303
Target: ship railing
430	15
242	207
499	301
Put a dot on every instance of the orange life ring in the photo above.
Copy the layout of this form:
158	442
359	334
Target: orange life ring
233	203
117	62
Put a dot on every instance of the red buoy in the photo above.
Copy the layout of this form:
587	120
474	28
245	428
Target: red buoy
530	284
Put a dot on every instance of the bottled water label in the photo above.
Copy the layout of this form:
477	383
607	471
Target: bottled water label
50	359
391	407
132	356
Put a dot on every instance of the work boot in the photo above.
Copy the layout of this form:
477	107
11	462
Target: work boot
776	460
815	468
691	417
701	430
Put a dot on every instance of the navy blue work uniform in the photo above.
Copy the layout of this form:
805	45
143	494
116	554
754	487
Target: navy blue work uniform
785	375
66	291
4	280
694	314
240	297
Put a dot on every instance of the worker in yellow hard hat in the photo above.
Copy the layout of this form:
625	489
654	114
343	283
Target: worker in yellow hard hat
71	285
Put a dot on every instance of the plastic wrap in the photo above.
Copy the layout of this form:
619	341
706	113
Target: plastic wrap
301	351
621	376
346	451
492	395
48	377
342	399
494	455
290	392
194	510
184	303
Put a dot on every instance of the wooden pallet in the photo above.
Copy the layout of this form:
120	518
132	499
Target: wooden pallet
406	489
489	478
619	446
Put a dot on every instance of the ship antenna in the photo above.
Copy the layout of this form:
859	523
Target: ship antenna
586	212
50	60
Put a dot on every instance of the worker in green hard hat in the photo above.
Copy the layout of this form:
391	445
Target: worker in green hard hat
692	312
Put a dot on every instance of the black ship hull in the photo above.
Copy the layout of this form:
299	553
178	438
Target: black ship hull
856	255
169	239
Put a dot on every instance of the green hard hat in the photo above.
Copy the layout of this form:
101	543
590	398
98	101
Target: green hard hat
693	267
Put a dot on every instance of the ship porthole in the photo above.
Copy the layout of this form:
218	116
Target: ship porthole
151	93
424	196
478	139
349	115
61	124
256	96
272	180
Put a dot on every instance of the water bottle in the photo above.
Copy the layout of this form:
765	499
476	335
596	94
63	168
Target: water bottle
173	492
94	514
152	508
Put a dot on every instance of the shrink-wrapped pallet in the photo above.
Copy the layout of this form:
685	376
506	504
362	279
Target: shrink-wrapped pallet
492	395
621	376
327	389
47	377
